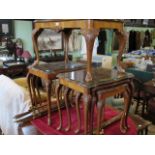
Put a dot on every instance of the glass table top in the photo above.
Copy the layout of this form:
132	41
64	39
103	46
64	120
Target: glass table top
56	67
100	76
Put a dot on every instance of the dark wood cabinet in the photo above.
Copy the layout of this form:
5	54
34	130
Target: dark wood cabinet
14	70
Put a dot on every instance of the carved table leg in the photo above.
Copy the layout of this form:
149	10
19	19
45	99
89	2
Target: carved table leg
78	95
33	79
58	90
130	90
123	123
66	35
93	102
87	102
100	105
66	96
122	42
90	35
35	35
34	95
37	89
29	86
29	77
48	89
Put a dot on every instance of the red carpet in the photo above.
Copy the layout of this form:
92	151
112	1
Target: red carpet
113	129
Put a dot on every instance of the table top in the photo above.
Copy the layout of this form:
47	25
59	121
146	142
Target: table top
49	70
79	23
100	76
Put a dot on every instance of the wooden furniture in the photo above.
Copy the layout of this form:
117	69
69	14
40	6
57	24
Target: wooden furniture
54	58
48	73
150	86
14	69
89	29
141	124
104	84
145	91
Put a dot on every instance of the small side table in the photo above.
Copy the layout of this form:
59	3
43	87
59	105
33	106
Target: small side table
102	86
47	72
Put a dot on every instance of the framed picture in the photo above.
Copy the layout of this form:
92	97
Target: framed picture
6	27
50	40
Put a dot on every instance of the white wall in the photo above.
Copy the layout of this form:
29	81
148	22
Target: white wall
23	30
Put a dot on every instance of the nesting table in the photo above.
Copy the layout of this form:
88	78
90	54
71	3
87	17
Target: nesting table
103	85
89	29
95	85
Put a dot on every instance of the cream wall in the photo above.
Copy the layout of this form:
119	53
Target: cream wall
23	30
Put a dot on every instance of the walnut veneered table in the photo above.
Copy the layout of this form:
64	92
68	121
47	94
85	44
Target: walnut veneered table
103	85
90	30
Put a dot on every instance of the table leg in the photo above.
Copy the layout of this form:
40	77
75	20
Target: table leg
87	102
78	95
48	89
127	101
100	105
93	102
66	96
58	92
89	35
66	34
123	123
130	90
35	35
30	87
122	42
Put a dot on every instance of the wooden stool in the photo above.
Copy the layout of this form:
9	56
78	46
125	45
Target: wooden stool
141	124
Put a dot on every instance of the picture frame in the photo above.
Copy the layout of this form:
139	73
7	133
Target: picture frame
6	27
50	40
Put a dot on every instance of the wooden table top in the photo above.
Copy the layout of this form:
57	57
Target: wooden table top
100	76
79	23
50	70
